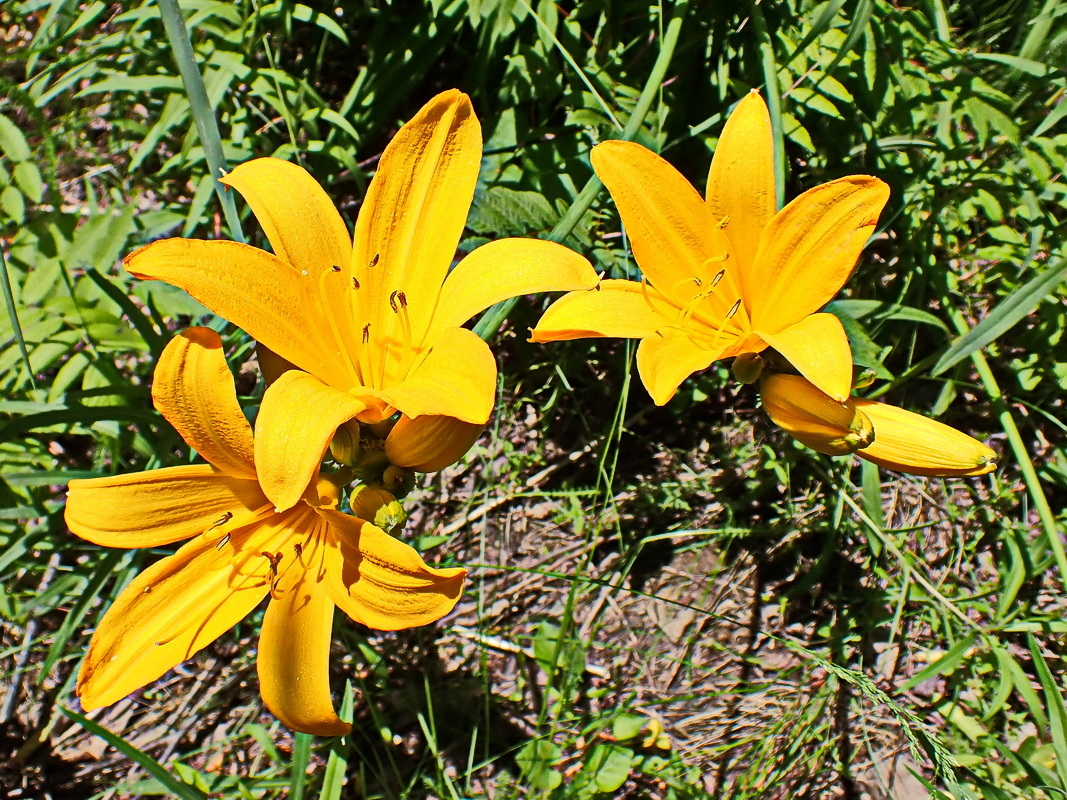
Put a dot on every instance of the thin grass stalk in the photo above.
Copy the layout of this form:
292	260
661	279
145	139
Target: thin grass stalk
13	316
1018	449
203	115
491	321
774	99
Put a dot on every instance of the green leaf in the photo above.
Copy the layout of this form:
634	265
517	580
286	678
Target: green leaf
609	765
535	759
1002	318
1057	713
12	142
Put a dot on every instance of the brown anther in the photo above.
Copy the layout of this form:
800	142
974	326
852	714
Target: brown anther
374	261
222	542
733	308
226	517
718	277
355	283
335	268
392	301
366	333
275	559
402	299
298	549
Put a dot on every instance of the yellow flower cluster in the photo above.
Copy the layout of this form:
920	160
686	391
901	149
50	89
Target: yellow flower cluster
370	371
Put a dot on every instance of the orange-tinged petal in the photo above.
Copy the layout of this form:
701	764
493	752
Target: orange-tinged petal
818	347
667	358
170	611
671	229
809	249
457	379
300	220
814	418
256	291
271	365
624	309
383	583
430	443
508	268
294	645
911	443
148	509
413	216
296	422
741	181
193	388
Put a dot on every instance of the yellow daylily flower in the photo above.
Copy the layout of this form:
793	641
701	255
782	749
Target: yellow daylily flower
726	276
882	434
372	323
308	559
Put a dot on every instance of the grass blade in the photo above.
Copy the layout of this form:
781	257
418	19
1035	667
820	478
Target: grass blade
13	315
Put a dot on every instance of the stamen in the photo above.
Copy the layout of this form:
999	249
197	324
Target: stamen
355	282
374	261
718	277
403	299
366	333
722	223
222	542
392	301
298	549
226	517
339	340
335	268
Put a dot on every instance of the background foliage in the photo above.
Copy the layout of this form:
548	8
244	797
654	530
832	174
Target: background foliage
670	602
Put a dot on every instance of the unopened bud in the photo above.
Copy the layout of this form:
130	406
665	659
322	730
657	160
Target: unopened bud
814	418
345	447
430	443
748	367
398	480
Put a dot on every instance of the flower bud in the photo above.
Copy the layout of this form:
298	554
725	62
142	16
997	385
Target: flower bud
345	447
747	367
430	443
911	443
813	418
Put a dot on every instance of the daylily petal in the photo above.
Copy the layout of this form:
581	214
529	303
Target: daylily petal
413	215
625	309
818	347
193	388
296	421
294	645
810	248
148	509
667	358
381	582
271	365
256	291
170	611
911	443
300	220
457	379
430	443
508	268
671	230
741	181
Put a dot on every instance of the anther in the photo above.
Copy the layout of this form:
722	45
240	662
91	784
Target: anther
275	559
374	261
733	308
402	299
723	222
718	277
298	549
222	542
355	283
226	517
336	268
392	301
366	333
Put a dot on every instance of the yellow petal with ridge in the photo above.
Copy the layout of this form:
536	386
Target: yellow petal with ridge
917	445
741	184
412	218
296	422
624	309
301	222
148	509
257	292
294	644
667	358
508	268
169	612
193	388
809	249
383	583
818	347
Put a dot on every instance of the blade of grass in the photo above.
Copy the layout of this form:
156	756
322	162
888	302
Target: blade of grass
203	115
337	764
153	338
1018	449
13	315
774	98
1057	713
1018	305
176	787
298	775
491	321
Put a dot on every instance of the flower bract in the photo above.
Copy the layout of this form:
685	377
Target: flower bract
371	321
308	559
728	275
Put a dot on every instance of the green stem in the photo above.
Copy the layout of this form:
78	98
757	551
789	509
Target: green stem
774	100
1018	448
491	321
203	115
